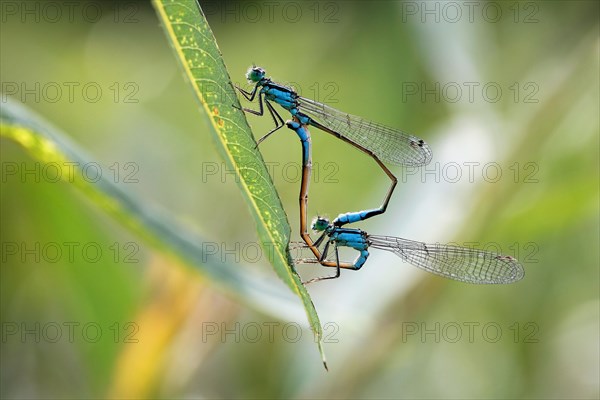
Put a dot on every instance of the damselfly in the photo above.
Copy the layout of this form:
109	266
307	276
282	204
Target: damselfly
450	261
378	141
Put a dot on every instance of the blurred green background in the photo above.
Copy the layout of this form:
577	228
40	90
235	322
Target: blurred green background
144	326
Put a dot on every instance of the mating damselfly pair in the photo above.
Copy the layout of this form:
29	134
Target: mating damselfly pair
382	144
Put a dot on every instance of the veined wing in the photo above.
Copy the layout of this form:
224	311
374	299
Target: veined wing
454	262
389	144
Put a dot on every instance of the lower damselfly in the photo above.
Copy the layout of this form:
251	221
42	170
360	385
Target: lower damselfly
463	264
451	261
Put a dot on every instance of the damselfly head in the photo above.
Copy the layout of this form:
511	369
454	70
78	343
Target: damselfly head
319	224
255	74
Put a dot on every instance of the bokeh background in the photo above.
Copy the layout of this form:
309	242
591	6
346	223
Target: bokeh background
507	88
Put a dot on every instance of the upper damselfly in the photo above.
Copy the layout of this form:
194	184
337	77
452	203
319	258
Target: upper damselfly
382	143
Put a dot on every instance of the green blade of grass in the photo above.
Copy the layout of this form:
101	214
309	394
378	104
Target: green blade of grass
197	50
48	145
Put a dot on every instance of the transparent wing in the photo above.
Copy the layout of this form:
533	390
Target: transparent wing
454	262
389	144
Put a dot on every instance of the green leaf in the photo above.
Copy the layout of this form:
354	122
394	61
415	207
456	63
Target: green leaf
203	65
207	72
